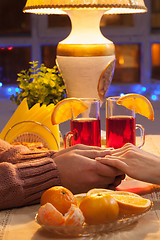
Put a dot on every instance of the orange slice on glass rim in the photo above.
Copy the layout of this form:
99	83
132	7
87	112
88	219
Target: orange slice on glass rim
67	109
138	103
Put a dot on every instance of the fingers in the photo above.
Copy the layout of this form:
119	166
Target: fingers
84	148
103	182
107	171
127	147
93	153
113	161
116	182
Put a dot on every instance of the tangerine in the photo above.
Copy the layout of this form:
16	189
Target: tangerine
129	203
60	197
99	208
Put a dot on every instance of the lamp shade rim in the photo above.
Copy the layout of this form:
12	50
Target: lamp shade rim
118	8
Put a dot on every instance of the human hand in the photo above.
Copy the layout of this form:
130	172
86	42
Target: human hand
135	162
85	148
80	172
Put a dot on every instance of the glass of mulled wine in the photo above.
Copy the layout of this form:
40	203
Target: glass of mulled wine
85	128
120	125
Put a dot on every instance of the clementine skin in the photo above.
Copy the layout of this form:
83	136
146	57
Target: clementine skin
60	197
99	208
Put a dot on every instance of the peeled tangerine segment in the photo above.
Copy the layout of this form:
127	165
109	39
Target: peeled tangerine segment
49	215
105	80
74	217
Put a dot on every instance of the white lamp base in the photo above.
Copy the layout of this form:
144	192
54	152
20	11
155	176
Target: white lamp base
81	74
83	56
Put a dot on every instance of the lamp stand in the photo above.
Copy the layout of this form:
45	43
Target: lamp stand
84	55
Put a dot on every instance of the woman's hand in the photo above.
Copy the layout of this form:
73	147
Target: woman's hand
79	171
135	162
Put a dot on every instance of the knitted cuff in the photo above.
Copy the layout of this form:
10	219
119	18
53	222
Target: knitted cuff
37	176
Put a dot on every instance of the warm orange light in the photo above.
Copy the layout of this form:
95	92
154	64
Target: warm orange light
84	55
110	6
156	54
121	60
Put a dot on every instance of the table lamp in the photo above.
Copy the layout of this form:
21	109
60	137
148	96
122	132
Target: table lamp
85	58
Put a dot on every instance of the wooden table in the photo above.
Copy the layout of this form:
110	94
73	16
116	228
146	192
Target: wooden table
19	224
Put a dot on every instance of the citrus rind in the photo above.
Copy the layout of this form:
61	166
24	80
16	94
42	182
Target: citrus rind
137	103
129	203
67	109
105	80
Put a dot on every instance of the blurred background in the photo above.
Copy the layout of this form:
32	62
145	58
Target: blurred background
30	37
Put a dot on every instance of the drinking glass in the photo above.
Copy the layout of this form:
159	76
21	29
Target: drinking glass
85	128
120	125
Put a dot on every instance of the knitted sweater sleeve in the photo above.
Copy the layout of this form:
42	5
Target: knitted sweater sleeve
24	176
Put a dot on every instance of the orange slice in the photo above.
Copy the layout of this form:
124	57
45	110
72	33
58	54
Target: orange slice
129	204
138	103
79	197
98	190
110	192
67	109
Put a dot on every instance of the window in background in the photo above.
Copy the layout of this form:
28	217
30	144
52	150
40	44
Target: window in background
155	50
58	21
107	20
12	61
49	55
155	14
119	20
127	68
13	20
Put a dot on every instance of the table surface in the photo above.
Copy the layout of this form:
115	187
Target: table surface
19	223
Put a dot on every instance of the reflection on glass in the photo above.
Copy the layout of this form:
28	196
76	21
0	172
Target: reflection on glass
13	20
12	61
155	14
155	50
127	68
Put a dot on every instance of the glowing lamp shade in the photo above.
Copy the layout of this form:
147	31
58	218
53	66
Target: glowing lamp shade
85	58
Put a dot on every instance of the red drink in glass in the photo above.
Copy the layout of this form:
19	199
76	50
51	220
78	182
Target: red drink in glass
86	131
120	130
